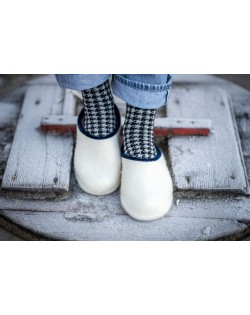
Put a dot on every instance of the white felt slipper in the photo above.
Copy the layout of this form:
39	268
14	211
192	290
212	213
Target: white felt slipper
146	187
97	162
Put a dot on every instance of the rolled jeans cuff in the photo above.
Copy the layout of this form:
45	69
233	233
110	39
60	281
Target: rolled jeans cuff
81	81
139	94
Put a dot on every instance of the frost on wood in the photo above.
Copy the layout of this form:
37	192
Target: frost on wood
206	163
37	161
80	216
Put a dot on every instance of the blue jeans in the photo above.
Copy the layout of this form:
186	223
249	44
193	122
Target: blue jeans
148	91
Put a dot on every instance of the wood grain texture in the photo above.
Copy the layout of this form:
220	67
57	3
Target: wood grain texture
39	162
81	204
82	216
210	163
65	226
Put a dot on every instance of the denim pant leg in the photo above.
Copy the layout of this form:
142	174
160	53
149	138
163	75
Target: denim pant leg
148	91
81	81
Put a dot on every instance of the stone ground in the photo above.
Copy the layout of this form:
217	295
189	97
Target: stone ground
8	83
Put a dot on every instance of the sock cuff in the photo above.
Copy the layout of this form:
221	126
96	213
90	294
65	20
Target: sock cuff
87	134
155	158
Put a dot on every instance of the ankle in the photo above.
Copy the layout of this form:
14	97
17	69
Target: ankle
99	111
138	133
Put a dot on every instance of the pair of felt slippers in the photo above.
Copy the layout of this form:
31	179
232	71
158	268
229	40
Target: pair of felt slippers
101	167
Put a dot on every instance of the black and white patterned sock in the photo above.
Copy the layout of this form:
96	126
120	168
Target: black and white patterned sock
138	133
99	112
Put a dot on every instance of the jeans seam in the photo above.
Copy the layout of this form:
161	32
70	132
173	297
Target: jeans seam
141	86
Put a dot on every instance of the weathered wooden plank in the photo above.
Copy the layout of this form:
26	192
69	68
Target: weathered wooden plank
81	204
182	126
39	162
58	123
68	226
85	217
163	126
10	107
206	163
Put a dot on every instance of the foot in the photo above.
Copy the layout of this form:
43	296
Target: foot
97	159
146	184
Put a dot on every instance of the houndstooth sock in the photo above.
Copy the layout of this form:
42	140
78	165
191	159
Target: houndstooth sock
138	133
99	113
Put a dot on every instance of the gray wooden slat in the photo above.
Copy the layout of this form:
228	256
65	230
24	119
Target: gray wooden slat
39	162
82	205
67	227
206	163
85	217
